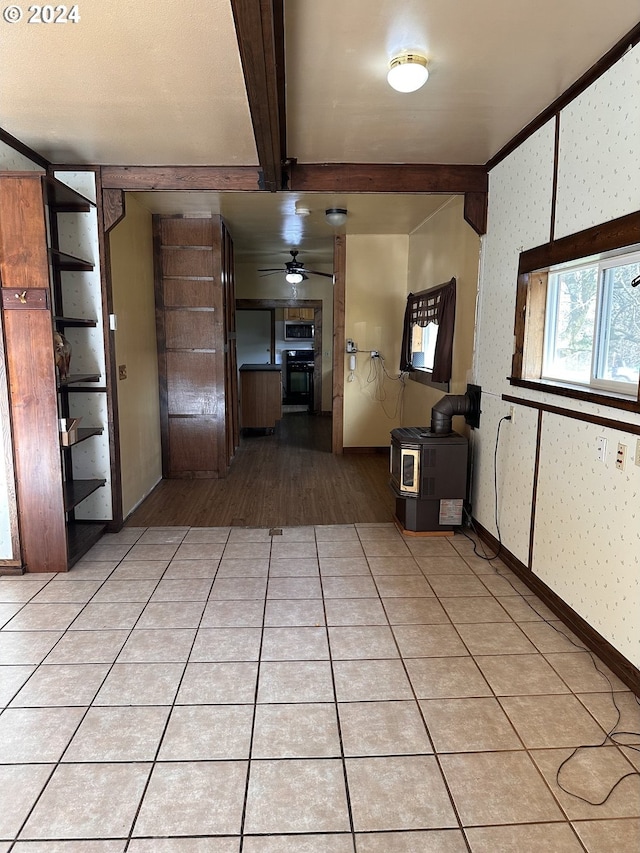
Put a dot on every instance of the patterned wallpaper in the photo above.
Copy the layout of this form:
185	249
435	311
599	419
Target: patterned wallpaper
91	458
78	235
587	546
599	169
587	537
519	218
516	456
12	161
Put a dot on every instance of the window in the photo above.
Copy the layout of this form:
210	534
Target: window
427	340
592	325
577	327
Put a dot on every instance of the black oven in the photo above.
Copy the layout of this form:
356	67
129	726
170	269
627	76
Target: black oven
298	377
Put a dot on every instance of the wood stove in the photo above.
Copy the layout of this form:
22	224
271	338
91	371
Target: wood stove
428	478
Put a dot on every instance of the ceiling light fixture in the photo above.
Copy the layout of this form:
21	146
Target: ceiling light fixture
407	72
294	277
336	216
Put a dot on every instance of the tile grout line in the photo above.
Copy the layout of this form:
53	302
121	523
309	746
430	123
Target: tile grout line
154	761
58	763
245	801
419	708
343	759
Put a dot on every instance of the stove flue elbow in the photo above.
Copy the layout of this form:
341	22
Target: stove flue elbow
444	410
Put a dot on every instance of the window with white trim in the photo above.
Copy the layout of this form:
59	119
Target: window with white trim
592	324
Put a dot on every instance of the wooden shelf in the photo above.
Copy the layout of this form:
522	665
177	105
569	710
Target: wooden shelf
63	199
79	378
84	433
75	491
69	263
81	535
77	322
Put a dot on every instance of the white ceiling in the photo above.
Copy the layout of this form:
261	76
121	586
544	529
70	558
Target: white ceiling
142	83
265	226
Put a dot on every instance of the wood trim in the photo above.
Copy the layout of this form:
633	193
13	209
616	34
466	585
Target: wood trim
387	178
32	299
23	149
256	24
13	563
590	76
534	495
156	220
609	655
262	304
111	368
615	234
148	178
609	423
113	207
475	211
339	342
554	188
598	399
31	375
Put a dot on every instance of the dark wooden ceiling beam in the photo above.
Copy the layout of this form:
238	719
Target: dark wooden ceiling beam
475	211
145	178
113	208
387	178
260	33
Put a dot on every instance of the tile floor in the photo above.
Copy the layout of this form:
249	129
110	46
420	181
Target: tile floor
322	690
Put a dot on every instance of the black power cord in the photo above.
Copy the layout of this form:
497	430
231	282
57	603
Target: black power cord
614	732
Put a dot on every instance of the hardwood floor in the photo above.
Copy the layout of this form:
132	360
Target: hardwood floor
289	478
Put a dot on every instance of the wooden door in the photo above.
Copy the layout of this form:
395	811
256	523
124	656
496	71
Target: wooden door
191	343
232	410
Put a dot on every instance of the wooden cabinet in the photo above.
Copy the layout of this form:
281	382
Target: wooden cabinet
260	395
305	314
49	253
195	302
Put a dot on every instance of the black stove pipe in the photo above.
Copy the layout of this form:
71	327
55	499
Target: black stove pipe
446	408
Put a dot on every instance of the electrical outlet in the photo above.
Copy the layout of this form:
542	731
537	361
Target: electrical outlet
621	456
512	413
637	457
601	448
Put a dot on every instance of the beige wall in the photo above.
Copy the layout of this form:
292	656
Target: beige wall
442	248
375	298
138	400
250	286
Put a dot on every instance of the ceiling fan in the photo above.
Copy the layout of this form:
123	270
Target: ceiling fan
295	271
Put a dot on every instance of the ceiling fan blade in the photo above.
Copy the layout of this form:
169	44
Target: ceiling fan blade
273	269
317	272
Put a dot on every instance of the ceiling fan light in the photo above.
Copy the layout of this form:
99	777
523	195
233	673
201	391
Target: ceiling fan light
336	216
294	277
407	72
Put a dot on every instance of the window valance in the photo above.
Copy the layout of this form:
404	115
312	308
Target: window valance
436	305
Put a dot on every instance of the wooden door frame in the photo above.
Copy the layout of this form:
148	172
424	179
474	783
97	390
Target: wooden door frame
316	304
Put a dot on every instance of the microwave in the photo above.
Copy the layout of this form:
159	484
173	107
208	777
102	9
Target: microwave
297	331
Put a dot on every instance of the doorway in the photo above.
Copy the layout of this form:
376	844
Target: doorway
263	338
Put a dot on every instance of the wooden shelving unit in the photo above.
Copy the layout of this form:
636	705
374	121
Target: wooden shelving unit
53	481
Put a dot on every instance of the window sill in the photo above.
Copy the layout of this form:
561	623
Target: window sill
423	377
600	398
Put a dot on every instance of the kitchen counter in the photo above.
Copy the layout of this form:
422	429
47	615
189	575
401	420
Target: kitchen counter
260	367
260	396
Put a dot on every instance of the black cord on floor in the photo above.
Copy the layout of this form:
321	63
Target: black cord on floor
613	732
